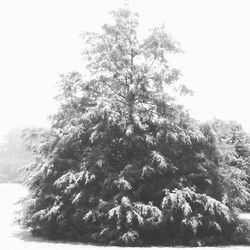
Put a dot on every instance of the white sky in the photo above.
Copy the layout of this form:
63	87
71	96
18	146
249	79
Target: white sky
39	39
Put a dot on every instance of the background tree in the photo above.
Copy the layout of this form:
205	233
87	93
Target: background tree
122	154
13	156
234	162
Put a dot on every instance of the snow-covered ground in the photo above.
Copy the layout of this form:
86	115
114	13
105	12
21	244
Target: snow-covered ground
13	238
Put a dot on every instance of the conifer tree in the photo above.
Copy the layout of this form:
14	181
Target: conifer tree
234	171
122	154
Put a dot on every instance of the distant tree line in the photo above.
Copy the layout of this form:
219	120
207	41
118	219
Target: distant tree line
123	163
13	156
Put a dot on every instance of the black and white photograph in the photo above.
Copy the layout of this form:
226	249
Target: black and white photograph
124	124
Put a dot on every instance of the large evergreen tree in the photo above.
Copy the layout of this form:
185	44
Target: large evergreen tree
123	163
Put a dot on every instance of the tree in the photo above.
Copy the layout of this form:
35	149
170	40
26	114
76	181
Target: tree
234	162
13	156
120	149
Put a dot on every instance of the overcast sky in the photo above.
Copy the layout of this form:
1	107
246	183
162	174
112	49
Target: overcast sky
39	39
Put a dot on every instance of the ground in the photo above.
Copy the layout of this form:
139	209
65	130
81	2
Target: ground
12	237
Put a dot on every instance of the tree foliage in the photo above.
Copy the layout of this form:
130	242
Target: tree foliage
234	146
123	163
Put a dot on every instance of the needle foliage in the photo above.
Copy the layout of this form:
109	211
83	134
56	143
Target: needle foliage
123	163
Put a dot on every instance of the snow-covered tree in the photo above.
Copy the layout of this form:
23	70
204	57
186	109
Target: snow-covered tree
121	152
